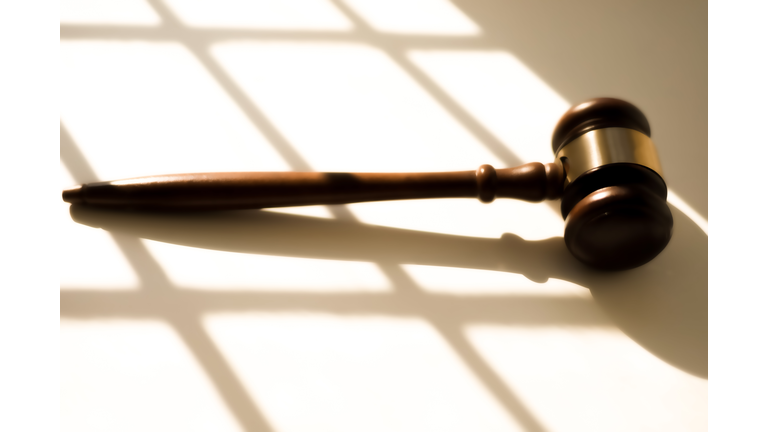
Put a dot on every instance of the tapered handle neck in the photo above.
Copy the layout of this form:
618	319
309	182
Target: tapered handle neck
220	191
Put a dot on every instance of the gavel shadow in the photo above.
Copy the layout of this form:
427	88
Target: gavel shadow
661	305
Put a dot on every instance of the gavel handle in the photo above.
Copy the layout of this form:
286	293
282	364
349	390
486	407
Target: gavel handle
255	190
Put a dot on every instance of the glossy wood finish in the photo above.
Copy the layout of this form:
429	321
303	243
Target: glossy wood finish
616	216
254	190
618	227
598	113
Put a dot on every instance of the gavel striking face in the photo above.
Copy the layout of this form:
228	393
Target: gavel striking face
606	172
614	199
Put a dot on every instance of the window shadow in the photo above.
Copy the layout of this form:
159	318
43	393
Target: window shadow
158	298
662	305
653	53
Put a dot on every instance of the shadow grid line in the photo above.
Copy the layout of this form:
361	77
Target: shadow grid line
204	349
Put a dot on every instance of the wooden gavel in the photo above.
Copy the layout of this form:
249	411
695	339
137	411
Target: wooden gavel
606	172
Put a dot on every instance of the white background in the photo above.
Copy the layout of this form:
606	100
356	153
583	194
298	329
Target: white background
483	341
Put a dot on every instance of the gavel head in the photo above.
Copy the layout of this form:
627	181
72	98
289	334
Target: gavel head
614	199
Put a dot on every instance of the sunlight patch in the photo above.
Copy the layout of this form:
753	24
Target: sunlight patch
349	107
431	17
460	281
205	269
138	109
465	217
112	12
588	379
261	14
501	93
312	372
134	376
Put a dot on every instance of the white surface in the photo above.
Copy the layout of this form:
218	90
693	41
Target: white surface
134	375
355	373
261	14
204	269
628	389
434	17
461	281
119	12
497	89
359	110
348	336
88	258
137	108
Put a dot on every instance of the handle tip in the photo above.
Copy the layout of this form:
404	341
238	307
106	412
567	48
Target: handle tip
73	195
